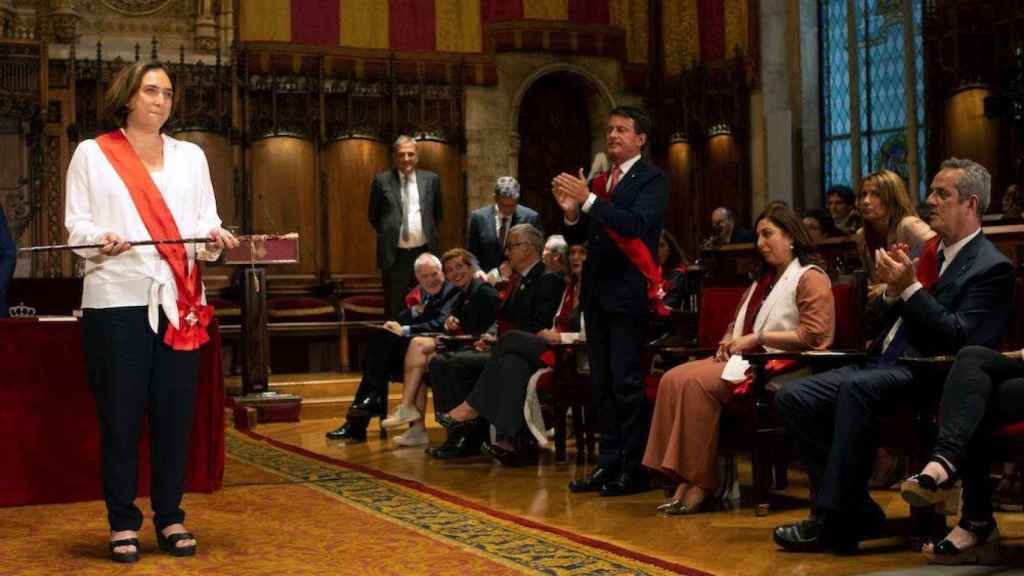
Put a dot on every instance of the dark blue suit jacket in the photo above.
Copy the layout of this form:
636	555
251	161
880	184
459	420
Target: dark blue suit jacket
482	239
968	305
8	258
635	210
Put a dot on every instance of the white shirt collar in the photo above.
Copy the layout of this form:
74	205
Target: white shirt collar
949	252
526	272
625	166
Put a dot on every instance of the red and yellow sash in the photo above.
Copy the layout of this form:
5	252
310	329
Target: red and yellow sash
193	315
637	253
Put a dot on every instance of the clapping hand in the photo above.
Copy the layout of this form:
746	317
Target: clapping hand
570	191
895	268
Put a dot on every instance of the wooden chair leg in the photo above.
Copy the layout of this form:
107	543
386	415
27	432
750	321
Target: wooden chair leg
760	461
560	416
781	465
343	352
578	432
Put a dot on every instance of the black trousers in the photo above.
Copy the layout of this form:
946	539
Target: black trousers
385	358
453	375
132	373
615	343
983	390
500	391
833	416
398	279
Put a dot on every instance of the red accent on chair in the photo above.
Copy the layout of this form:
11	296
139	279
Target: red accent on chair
364	307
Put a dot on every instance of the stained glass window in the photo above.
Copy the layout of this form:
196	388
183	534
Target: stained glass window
880	68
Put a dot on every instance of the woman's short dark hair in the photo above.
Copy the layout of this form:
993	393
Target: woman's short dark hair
844	192
454	253
124	86
782	216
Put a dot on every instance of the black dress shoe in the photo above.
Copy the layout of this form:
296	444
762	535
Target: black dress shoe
449	423
625	484
593	481
462	447
507	458
348	431
368	407
804	536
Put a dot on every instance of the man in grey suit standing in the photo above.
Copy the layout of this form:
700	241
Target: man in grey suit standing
489	226
405	208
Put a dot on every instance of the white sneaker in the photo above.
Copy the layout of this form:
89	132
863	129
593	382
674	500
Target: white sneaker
416	436
402	416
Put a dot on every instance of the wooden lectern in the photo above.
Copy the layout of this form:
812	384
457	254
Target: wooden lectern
254	254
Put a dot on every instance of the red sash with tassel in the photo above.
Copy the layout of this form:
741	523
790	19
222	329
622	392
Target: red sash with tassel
637	253
193	315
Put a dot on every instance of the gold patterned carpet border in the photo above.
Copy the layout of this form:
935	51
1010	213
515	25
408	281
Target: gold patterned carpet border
508	539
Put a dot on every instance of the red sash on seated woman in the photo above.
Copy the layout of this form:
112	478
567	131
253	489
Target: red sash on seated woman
193	315
637	252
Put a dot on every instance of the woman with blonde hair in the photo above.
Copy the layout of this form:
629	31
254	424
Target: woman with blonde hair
889	218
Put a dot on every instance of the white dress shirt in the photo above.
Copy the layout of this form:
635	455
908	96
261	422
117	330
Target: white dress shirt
413	213
98	202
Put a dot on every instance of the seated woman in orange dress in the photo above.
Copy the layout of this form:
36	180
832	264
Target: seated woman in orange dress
790	307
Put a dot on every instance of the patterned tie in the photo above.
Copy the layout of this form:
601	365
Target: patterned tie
616	174
405	208
503	232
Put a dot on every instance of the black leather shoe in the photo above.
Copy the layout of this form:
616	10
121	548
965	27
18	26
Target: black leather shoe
625	484
804	536
507	458
592	482
461	447
449	423
348	431
368	407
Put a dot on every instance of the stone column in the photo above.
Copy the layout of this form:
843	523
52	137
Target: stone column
778	110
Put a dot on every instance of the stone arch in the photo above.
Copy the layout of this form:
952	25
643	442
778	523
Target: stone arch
524	86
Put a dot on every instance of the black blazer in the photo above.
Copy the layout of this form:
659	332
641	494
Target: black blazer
385	212
636	210
532	307
483	241
476	307
438	307
8	259
969	304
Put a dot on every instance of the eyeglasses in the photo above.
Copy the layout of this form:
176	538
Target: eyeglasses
511	245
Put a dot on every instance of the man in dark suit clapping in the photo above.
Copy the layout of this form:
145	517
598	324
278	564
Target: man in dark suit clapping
405	209
955	293
620	217
489	226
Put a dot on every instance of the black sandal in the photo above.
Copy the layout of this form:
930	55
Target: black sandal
169	544
922	490
124	557
985	549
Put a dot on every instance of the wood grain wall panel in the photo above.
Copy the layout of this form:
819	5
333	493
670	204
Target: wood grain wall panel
684	206
285	199
722	181
219	157
444	159
350	165
967	133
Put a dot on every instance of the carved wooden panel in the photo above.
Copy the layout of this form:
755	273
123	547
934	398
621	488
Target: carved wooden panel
349	167
285	198
445	160
684	201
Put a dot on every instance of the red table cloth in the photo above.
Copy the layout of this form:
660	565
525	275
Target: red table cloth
48	418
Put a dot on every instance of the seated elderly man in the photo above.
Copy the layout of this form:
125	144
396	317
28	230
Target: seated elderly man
387	349
954	293
533	296
725	231
556	255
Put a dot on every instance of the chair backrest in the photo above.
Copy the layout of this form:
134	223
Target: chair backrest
718	306
850	293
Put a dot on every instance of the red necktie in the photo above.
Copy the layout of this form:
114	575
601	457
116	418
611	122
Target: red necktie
615	179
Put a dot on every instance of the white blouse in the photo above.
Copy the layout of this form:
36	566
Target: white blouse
98	202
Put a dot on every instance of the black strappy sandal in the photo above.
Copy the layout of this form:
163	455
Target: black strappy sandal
124	557
985	549
921	490
169	544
